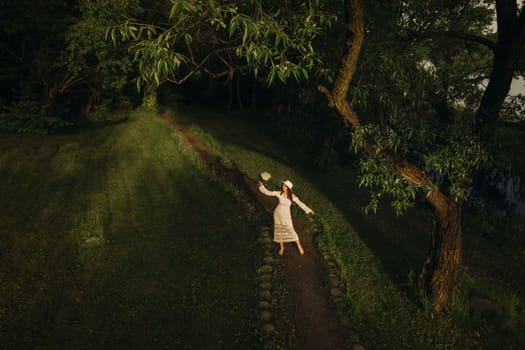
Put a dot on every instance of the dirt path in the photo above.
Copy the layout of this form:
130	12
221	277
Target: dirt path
314	325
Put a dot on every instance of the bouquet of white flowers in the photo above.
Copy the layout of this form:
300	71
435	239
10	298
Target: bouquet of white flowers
265	176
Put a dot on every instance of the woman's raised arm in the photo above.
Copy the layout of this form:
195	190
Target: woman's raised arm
267	192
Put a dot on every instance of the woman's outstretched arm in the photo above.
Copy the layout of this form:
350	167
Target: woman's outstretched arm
267	192
303	206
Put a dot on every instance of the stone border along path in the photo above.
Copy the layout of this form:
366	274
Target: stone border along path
313	281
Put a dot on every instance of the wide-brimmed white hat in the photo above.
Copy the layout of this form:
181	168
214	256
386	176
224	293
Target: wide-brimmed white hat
288	183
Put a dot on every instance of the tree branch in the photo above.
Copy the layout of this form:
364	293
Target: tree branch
512	125
471	38
337	98
455	35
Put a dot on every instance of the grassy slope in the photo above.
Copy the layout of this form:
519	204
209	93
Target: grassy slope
175	266
375	252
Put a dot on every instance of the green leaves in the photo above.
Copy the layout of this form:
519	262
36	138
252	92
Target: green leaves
221	38
458	161
378	175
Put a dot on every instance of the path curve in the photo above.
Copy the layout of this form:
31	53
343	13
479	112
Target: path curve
314	324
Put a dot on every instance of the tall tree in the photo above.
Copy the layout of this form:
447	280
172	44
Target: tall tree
101	67
33	37
508	57
423	130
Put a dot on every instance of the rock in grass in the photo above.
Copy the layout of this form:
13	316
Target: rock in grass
268	260
336	300
333	275
264	305
265	295
333	282
336	292
265	269
94	241
265	240
268	253
268	328
265	316
331	264
265	285
264	278
266	234
335	271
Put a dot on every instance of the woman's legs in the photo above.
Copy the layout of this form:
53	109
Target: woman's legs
300	247
281	248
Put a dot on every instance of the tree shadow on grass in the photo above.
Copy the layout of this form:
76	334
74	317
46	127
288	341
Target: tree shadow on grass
163	274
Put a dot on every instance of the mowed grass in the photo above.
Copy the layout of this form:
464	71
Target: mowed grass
377	253
120	238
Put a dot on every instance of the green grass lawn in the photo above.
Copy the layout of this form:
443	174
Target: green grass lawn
377	253
119	237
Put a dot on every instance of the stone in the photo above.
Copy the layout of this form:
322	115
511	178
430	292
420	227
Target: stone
265	285
265	234
264	304
333	282
265	240
265	295
264	277
268	260
336	292
265	316
94	241
268	328
335	271
333	275
336	300
331	264
326	258
268	253
268	249
265	269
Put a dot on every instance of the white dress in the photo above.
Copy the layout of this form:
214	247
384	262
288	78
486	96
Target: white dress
282	217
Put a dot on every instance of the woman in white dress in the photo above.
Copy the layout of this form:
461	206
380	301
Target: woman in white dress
282	217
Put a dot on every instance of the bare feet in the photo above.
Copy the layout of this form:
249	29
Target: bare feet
299	247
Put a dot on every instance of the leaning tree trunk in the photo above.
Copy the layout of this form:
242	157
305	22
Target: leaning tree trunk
440	271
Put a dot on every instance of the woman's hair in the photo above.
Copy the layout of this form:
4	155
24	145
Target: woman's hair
289	193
